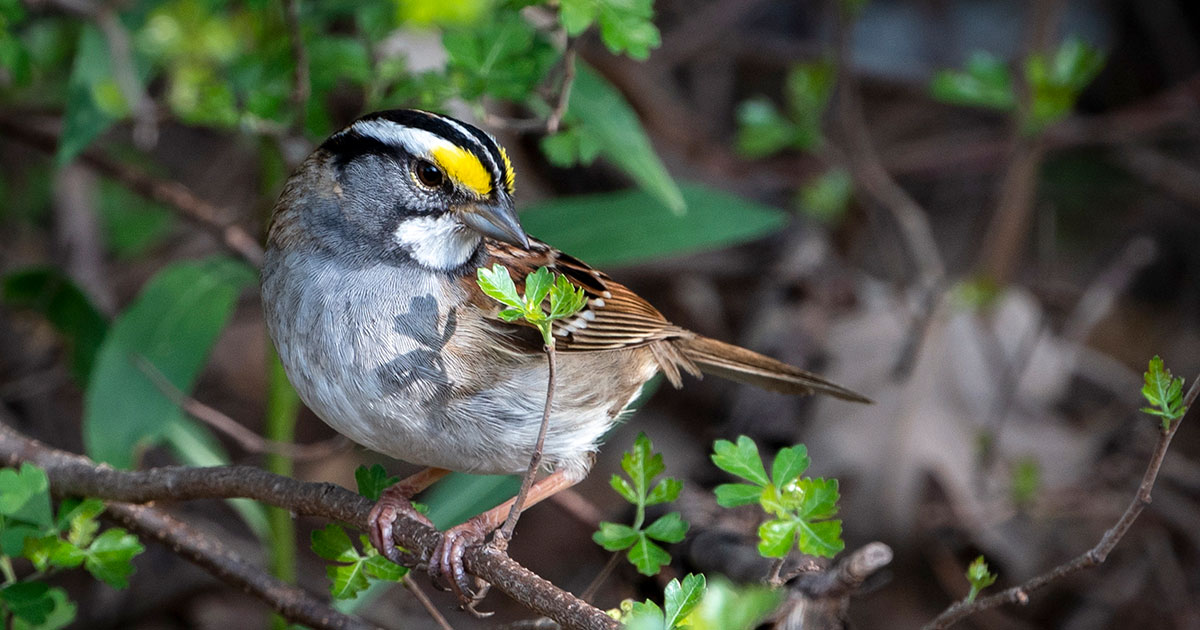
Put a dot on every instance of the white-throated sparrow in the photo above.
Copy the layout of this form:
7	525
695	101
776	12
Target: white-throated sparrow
370	294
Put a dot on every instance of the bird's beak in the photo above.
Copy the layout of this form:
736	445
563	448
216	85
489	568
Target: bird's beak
496	219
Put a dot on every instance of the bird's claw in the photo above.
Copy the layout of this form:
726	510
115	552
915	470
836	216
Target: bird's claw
447	569
394	502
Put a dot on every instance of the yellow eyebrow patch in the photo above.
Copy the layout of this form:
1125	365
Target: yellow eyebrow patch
510	176
462	166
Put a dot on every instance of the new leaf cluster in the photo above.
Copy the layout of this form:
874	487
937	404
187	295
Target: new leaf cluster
641	464
802	507
30	529
565	298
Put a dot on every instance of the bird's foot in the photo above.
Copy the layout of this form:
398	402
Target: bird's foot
394	502
447	569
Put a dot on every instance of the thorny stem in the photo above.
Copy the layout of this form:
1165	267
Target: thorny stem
504	534
1096	555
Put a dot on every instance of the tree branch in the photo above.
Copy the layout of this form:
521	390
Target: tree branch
1096	555
75	475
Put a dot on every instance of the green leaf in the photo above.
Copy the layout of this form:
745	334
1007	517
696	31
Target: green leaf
979	577
625	25
84	119
647	557
789	464
62	615
53	295
808	88
735	494
511	314
52	551
165	334
109	557
28	601
615	536
499	285
565	299
776	537
665	491
611	123
373	481
571	146
669	528
13	537
506	60
537	286
333	544
1163	391
986	82
381	568
812	498
822	539
132	224
1056	82
642	465
348	579
741	459
762	129
78	517
25	496
595	228
826	197
729	607
623	488
679	599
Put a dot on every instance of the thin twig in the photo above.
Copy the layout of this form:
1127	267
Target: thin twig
171	193
249	440
1096	555
562	100
425	602
504	534
210	554
301	85
590	592
75	475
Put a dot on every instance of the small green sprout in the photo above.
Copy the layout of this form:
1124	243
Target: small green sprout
565	298
679	600
802	507
1164	393
352	571
641	464
979	577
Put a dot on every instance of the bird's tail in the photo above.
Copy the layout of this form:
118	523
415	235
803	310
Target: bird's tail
746	366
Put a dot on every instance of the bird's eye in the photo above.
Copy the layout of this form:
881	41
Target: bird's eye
429	174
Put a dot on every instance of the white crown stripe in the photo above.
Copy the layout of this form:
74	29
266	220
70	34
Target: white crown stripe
414	141
483	150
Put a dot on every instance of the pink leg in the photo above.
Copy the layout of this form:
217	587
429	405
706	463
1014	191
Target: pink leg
395	501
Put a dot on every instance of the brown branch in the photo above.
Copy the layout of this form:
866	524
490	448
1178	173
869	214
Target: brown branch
171	193
425	602
75	475
1096	555
207	552
818	599
535	461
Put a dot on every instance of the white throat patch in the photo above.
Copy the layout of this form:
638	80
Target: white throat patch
441	242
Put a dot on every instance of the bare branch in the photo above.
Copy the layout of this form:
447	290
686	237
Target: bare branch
74	475
208	553
1096	555
171	193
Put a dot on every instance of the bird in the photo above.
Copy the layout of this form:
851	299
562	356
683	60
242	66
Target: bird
370	296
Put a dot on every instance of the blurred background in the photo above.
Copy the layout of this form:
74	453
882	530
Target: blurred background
982	214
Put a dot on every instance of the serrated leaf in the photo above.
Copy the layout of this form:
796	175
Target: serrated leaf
1164	391
537	286
109	557
665	491
565	298
167	333
52	551
29	601
373	481
499	285
668	528
813	498
25	495
505	60
789	464
823	538
741	459
647	557
332	543
348	580
642	465
13	536
615	536
729	607
979	577
381	568
680	598
776	537
623	488
79	519
735	494
511	314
